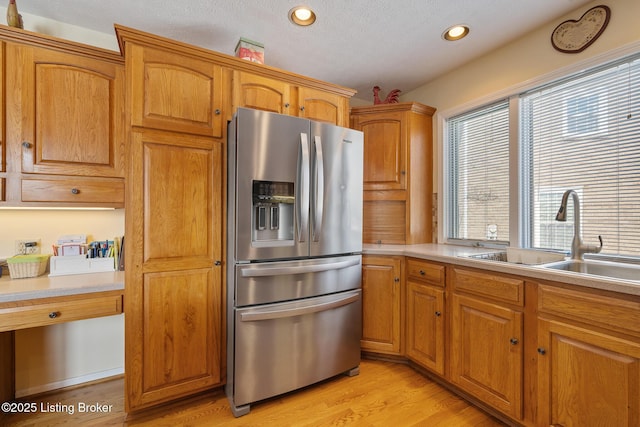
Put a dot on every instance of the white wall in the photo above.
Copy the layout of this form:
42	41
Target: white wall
527	59
65	31
75	352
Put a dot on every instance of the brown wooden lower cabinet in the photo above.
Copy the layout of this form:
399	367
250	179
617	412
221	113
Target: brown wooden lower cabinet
487	352
588	358
381	302
425	314
586	378
578	365
425	326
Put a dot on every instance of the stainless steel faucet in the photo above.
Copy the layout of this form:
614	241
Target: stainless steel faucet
578	249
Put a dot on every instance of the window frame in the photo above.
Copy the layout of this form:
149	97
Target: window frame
519	194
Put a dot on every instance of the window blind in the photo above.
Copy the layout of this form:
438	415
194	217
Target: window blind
583	133
478	184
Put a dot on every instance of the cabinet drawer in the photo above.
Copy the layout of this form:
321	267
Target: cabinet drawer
494	286
103	191
29	316
425	271
598	310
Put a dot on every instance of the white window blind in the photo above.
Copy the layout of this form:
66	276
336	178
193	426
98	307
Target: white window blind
583	133
478	187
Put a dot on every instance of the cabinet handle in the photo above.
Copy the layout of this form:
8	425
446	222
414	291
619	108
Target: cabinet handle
217	112
53	314
542	351
514	341
26	144
75	191
438	314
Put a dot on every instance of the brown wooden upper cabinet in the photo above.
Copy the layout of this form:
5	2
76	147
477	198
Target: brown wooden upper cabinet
51	97
279	96
323	106
175	92
261	93
398	172
385	157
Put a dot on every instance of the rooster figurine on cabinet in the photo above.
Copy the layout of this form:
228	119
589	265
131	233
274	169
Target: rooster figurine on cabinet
14	19
392	97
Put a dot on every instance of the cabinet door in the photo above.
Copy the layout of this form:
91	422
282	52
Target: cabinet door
425	326
173	320
66	111
175	92
385	151
381	298
261	93
486	352
586	378
323	106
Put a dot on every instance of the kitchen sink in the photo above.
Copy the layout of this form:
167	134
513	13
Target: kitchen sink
521	256
491	256
599	268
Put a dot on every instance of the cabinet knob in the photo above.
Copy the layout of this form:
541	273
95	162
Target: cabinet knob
542	351
286	105
75	191
403	172
26	144
302	108
396	279
217	112
438	314
514	341
422	273
53	314
217	262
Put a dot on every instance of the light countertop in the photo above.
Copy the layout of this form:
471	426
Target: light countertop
12	290
459	255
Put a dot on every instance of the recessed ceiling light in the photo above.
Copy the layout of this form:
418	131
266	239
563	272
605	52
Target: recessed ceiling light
302	15
456	32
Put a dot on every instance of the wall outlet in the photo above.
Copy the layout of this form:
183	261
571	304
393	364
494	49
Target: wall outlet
28	246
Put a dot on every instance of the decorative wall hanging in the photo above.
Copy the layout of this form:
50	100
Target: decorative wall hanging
573	36
392	97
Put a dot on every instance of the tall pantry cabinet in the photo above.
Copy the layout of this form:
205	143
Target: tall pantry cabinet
174	221
397	172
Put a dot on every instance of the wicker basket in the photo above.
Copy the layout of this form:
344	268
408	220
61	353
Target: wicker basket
22	266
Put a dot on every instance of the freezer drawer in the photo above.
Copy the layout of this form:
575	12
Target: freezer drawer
285	346
268	282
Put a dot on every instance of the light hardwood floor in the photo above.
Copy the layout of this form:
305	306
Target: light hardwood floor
384	394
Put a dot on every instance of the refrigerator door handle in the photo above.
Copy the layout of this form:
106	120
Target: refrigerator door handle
299	311
302	269
318	185
302	192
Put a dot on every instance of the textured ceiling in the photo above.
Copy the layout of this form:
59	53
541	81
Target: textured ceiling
354	43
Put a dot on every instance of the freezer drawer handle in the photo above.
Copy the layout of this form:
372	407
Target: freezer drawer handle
315	268
279	314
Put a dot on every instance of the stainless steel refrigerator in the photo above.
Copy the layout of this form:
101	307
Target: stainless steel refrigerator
294	302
